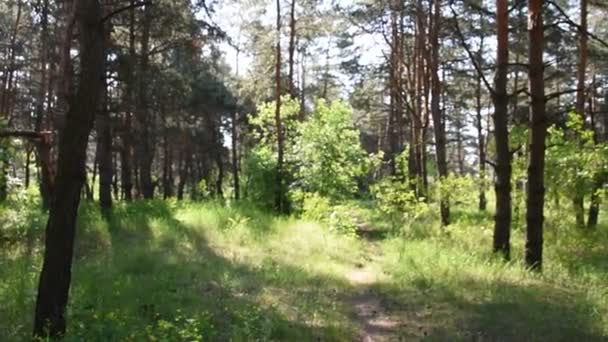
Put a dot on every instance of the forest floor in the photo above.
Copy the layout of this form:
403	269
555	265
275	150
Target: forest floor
170	271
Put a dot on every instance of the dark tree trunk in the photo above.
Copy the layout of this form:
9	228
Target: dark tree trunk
104	143
502	220
292	48
280	195
53	289
167	168
594	205
235	156
578	198
146	149
538	128
126	152
481	141
438	120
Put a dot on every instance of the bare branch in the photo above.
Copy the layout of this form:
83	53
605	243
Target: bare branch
575	25
125	8
471	55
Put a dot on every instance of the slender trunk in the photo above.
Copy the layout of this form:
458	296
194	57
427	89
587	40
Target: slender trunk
143	114
292	48
303	86
438	120
502	220
104	142
481	141
126	152
280	196
594	205
235	156
53	289
28	158
538	127
578	198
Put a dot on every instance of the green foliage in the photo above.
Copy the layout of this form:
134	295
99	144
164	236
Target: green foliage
399	203
260	164
331	159
323	154
318	208
457	189
574	160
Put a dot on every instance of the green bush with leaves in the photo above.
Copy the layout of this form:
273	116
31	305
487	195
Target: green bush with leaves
574	160
398	202
323	154
332	160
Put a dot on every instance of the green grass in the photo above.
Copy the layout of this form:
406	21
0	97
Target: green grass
169	271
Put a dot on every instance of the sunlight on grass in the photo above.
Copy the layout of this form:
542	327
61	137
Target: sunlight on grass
163	270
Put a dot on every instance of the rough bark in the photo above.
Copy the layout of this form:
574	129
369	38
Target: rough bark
502	220
578	198
481	142
104	142
538	129
292	48
142	111
235	156
53	288
280	195
438	120
126	152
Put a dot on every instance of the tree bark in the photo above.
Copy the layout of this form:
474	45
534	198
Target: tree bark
502	220
292	48
104	141
538	129
235	156
143	115
126	152
481	141
578	198
280	196
438	120
53	288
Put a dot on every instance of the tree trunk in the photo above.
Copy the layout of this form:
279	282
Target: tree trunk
280	196
235	156
578	197
53	288
502	220
438	120
292	48
146	149
126	152
481	141
538	128
104	142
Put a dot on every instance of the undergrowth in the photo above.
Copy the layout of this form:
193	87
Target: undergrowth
183	271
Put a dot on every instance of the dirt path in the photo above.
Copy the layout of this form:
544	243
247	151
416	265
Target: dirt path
369	307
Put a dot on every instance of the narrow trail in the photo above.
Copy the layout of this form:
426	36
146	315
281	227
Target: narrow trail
369	308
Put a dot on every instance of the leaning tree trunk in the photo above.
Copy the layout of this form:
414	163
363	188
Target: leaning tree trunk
54	285
502	220
538	128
